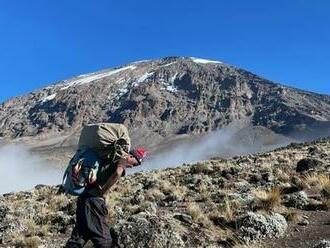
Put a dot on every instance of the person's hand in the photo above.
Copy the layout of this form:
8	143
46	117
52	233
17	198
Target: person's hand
75	172
129	162
91	177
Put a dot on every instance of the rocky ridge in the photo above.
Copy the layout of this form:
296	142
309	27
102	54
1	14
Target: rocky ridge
256	199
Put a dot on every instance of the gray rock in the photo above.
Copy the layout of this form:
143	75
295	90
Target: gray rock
60	221
183	217
303	222
314	150
149	207
297	200
322	244
151	183
254	226
255	178
138	198
142	231
268	177
308	164
3	212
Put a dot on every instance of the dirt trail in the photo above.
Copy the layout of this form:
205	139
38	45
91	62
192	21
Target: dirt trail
304	236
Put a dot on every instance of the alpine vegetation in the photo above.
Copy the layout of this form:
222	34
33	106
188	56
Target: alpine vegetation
244	201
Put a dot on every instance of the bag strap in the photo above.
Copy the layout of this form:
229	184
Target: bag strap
76	157
65	174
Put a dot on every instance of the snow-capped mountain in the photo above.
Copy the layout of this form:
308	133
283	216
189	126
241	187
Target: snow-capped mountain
163	98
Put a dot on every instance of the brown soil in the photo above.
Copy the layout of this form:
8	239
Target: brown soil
304	236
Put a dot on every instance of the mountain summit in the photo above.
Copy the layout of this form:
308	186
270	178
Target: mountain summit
164	98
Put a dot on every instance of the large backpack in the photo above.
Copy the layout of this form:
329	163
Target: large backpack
98	143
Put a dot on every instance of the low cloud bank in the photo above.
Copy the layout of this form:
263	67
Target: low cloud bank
226	142
22	170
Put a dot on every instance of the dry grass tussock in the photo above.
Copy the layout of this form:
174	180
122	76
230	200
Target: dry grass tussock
229	209
27	242
299	182
268	200
32	228
57	202
201	168
281	175
204	192
198	215
112	198
166	187
326	203
154	194
225	213
237	242
293	216
244	246
318	182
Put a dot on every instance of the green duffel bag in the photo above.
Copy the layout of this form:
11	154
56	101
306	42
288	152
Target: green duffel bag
109	141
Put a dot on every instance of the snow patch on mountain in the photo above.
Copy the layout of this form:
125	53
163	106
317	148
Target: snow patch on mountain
48	98
171	88
168	85
172	79
141	61
122	91
144	77
205	61
87	78
169	64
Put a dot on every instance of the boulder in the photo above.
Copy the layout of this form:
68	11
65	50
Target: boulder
297	200
306	164
255	226
145	230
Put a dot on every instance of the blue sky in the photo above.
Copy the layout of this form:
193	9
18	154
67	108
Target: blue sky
45	41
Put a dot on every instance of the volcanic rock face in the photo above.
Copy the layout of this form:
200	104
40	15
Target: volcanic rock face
163	98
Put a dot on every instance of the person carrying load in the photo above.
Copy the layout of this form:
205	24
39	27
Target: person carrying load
102	157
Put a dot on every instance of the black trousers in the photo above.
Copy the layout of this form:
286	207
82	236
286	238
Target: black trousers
91	224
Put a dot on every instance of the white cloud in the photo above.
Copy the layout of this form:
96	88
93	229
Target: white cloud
21	170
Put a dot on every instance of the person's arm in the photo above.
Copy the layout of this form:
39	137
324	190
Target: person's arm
122	164
112	179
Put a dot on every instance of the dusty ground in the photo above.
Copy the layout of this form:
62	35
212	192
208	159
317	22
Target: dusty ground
298	236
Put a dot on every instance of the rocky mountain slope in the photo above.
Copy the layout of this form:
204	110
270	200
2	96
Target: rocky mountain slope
165	98
276	199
